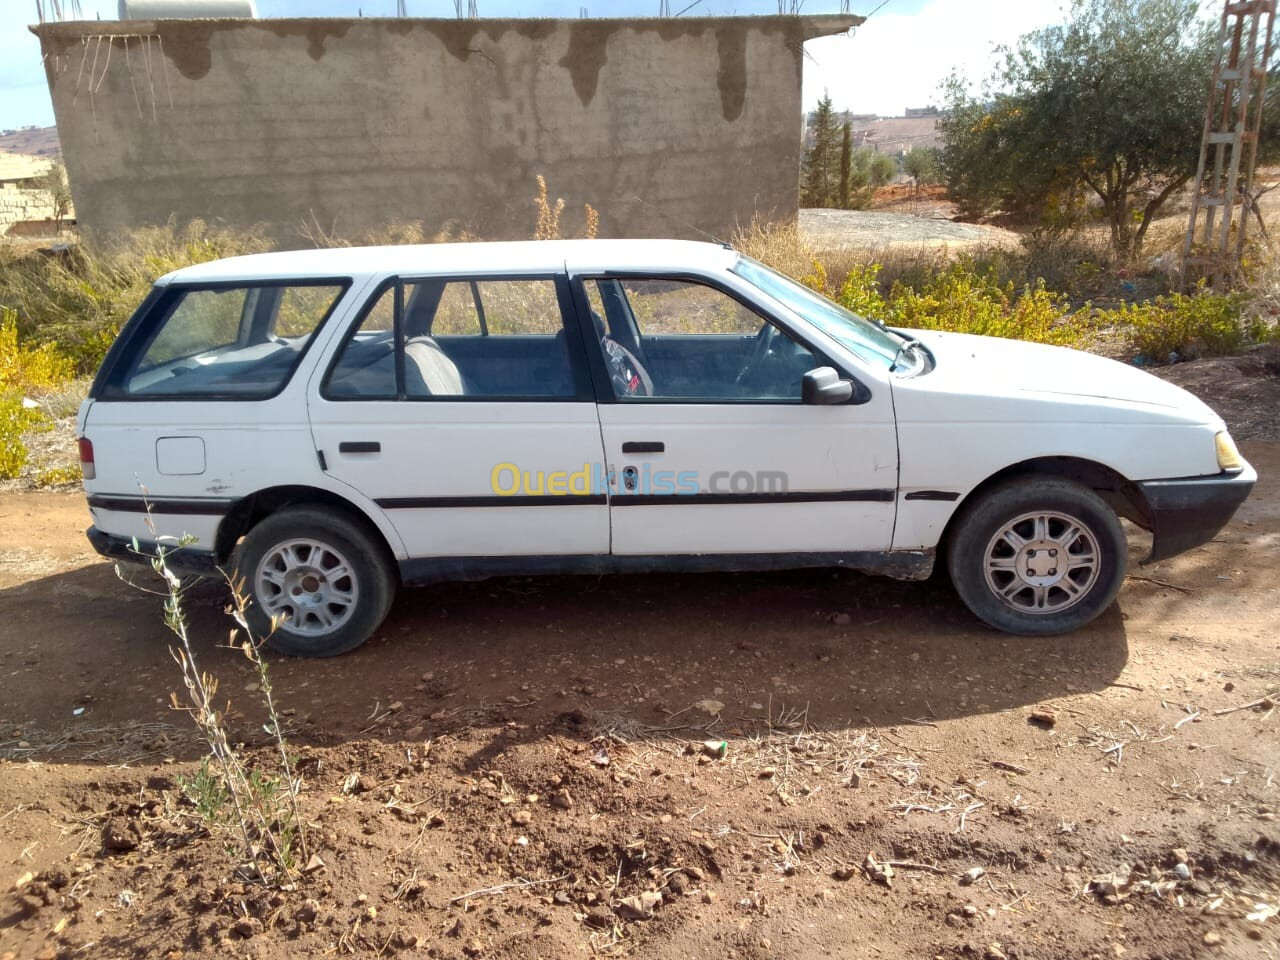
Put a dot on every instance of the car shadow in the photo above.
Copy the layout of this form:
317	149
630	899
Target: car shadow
88	675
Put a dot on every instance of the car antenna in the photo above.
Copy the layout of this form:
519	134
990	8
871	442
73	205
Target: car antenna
684	223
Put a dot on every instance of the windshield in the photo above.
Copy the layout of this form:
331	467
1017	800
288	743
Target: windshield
869	341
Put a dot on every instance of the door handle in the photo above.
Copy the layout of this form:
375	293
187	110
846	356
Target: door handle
643	446
359	446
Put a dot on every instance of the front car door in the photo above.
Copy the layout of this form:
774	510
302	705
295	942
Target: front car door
462	406
708	445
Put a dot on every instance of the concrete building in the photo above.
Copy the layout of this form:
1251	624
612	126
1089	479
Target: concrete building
667	127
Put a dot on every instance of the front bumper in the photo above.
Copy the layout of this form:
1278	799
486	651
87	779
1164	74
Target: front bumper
1187	512
184	561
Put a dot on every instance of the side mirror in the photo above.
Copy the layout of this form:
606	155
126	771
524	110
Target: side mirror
823	385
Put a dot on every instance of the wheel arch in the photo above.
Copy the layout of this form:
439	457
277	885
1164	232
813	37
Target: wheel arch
249	511
1120	493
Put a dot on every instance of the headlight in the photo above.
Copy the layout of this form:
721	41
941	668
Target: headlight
1228	456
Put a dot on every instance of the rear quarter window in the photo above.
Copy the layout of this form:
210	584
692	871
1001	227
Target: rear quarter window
225	341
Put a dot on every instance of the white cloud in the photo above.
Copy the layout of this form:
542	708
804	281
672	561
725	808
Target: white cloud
894	61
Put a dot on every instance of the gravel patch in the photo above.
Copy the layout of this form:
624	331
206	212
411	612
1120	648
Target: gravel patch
876	228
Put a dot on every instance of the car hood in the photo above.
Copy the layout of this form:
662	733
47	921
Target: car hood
999	367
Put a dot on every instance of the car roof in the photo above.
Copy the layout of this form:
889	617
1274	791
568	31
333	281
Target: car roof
532	256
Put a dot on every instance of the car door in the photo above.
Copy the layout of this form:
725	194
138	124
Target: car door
461	405
709	447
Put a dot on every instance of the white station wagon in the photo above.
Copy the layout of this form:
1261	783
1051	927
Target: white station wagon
330	424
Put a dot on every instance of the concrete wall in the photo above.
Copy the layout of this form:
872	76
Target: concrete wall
663	125
20	204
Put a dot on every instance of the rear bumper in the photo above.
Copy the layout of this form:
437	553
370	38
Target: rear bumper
1188	512
183	561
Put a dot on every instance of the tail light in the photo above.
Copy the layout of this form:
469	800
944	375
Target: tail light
86	457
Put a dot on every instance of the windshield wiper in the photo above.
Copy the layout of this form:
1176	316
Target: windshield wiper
908	345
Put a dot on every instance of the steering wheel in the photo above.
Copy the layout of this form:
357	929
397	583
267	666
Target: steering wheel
762	348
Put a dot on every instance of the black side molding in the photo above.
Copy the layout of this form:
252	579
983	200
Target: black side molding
946	495
550	500
638	499
359	446
899	564
205	506
796	496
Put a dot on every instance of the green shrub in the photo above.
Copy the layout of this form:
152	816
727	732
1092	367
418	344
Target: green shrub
961	299
64	476
860	292
24	370
15	420
1182	326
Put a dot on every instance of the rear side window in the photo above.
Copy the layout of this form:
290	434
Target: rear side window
460	339
223	342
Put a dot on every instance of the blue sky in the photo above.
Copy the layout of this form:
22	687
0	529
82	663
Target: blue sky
895	60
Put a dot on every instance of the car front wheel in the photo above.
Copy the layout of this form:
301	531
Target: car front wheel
324	580
1037	556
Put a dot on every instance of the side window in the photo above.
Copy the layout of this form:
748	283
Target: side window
462	339
202	320
234	342
366	368
520	307
689	341
300	310
456	313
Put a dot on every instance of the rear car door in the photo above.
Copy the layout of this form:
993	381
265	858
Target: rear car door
462	406
709	447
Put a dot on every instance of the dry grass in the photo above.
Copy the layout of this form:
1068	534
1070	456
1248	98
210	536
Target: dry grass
786	248
395	233
120	743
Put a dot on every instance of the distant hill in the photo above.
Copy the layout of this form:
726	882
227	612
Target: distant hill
892	135
897	135
33	141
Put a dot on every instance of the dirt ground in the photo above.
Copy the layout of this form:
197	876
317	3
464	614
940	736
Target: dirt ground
907	224
529	763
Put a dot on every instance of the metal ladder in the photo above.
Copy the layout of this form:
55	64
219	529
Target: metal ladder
1231	124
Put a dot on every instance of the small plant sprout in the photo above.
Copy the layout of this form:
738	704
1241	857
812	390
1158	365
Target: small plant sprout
254	811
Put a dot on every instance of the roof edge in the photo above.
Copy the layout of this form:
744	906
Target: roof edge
811	25
829	24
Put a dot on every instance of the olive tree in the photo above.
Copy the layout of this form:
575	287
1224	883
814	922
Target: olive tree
54	184
921	165
1111	101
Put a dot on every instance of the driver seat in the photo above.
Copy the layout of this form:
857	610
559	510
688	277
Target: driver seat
626	373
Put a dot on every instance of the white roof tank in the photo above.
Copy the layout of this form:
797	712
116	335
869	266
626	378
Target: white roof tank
187	9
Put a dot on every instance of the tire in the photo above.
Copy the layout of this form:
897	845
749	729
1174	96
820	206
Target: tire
330	581
1004	556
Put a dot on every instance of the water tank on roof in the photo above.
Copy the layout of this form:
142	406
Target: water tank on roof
186	9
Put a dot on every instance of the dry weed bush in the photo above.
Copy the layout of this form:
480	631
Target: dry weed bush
548	216
253	810
395	233
79	299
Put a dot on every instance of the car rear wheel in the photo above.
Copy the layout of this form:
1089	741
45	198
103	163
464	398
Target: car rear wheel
1037	556
325	581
